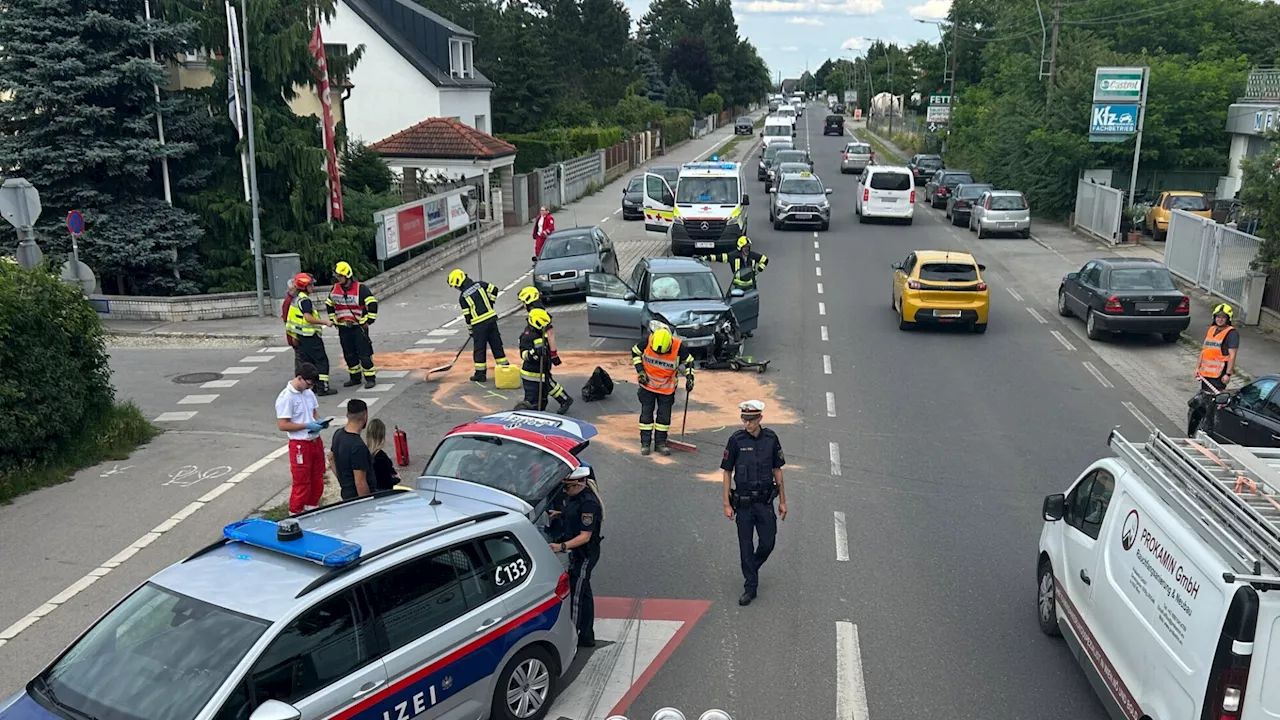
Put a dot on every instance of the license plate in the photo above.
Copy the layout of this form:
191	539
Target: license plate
889	200
701	245
1151	307
946	313
803	216
1006	224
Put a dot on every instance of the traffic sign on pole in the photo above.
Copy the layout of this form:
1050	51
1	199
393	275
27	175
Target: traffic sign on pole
75	223
20	205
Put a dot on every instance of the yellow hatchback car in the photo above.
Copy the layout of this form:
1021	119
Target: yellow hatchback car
1157	221
940	287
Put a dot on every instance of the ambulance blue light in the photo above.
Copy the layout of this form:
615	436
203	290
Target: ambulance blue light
312	546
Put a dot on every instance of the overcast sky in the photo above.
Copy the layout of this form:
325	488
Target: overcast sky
790	32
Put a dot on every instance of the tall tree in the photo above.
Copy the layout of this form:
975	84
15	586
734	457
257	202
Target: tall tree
606	52
80	125
665	22
691	61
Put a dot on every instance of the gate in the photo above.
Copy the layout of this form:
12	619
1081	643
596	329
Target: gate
1098	210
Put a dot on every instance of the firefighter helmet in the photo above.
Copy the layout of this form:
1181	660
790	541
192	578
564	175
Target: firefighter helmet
744	242
661	340
529	295
343	269
1224	309
301	281
539	319
456	278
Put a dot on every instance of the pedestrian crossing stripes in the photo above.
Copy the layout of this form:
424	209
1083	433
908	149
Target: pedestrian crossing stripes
443	331
240	370
175	416
431	341
258	359
197	399
274	350
368	401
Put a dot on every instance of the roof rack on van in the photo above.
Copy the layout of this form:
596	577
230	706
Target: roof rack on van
1231	492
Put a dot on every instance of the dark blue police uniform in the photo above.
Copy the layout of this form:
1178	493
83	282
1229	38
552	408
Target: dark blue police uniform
752	461
583	512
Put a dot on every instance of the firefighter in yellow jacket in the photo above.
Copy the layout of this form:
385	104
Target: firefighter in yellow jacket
658	364
477	299
353	308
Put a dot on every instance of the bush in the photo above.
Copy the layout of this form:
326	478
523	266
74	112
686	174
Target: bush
546	147
676	128
711	104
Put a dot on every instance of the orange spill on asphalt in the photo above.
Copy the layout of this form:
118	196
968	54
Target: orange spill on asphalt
713	406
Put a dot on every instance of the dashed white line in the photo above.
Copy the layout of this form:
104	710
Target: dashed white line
240	370
815	233
392	373
453	322
831	404
443	331
822	308
274	350
1015	294
175	416
431	341
826	364
1065	343
615	212
818	271
842	539
605	219
815	244
1134	411
851	689
368	401
216	384
819	288
258	359
1097	374
824	333
817	257
197	399
1039	318
835	458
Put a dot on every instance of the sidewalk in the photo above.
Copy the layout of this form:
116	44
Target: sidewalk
429	303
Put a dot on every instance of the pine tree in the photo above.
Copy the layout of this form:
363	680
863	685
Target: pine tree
647	69
680	95
80	125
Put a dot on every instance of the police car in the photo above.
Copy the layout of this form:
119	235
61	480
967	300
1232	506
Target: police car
445	603
705	207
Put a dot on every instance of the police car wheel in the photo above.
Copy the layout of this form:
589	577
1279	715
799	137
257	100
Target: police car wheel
525	688
1047	600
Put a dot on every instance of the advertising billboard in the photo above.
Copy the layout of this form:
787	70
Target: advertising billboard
402	228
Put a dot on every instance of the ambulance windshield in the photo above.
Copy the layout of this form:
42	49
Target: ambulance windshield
709	190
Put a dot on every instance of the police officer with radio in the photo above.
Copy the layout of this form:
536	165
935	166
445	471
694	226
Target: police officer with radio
579	522
752	471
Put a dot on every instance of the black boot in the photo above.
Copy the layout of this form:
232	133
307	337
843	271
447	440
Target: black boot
479	376
565	401
644	443
747	597
322	389
370	381
660	445
353	381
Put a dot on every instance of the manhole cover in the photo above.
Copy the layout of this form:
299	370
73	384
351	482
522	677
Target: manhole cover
197	378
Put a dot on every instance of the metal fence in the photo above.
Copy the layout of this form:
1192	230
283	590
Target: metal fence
1098	210
1213	257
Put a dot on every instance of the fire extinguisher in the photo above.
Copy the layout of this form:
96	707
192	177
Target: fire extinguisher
402	447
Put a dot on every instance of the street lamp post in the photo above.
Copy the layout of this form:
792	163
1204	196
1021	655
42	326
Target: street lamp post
253	161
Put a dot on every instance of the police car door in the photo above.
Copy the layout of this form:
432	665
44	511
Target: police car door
659	203
613	308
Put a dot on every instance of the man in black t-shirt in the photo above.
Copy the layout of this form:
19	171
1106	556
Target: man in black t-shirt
348	454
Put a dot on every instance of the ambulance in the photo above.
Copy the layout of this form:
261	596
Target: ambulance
705	209
1160	567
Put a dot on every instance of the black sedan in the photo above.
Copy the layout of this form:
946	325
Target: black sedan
923	167
1125	295
833	125
960	203
943	182
1250	416
744	126
633	199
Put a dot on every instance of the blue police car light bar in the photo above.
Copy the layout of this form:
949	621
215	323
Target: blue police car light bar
312	546
710	165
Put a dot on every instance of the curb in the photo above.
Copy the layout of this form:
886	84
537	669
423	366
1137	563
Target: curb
115	332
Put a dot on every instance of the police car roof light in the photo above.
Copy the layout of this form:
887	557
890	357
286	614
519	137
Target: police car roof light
311	546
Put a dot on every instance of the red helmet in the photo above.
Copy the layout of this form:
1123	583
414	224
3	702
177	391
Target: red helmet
301	280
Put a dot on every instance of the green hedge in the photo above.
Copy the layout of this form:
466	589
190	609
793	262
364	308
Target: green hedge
676	129
546	147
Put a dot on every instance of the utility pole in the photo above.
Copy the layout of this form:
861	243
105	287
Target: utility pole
1053	54
955	60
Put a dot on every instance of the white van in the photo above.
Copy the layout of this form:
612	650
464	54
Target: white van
1161	568
788	112
777	128
885	191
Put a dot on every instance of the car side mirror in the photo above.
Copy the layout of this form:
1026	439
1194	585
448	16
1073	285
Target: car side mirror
629	297
1222	398
982	268
737	292
275	710
896	266
1073	276
746	200
830	190
582	472
1054	507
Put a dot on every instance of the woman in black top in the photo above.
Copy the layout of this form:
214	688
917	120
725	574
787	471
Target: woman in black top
384	471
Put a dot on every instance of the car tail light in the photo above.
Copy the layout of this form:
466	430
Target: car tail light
982	287
1230	692
866	194
1184	306
914	284
562	586
913	197
1113	305
846	156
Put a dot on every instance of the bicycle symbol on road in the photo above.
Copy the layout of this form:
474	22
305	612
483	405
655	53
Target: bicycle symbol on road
189	475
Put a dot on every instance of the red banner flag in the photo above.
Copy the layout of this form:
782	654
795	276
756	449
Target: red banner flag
330	133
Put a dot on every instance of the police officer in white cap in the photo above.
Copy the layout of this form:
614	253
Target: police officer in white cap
752	470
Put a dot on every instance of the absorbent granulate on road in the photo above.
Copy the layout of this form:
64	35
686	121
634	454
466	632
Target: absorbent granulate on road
713	405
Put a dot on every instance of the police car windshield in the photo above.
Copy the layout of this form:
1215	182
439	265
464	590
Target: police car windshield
800	186
157	656
567	246
713	190
509	465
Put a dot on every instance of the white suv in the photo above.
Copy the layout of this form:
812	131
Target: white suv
885	191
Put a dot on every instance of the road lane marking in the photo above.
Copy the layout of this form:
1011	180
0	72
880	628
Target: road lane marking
851	689
1039	318
842	539
995	276
817	257
257	359
213	384
815	244
1134	411
392	373
240	370
431	341
605	219
1015	294
831	404
1065	343
819	288
826	364
815	233
818	270
824	333
822	308
175	416
275	349
380	387
444	331
197	399
1097	374
615	212
835	458
367	401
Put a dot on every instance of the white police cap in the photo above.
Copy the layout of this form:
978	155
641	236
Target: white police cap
751	407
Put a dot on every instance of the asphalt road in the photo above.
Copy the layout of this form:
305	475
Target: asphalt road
935	448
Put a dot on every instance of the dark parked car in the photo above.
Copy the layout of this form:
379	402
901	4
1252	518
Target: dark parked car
1125	295
1250	416
744	126
834	125
923	167
633	199
941	185
767	155
960	202
568	255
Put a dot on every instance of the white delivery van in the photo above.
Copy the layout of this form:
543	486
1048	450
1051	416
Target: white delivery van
788	112
885	191
1161	567
776	128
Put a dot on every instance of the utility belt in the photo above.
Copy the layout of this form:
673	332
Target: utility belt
747	498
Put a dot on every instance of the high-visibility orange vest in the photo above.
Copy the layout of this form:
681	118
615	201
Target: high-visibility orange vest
1213	360
661	368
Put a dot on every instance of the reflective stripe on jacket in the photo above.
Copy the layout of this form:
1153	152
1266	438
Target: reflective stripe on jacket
477	300
355	305
297	323
661	367
1213	359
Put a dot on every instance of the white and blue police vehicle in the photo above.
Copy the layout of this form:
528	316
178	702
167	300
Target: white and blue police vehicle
435	603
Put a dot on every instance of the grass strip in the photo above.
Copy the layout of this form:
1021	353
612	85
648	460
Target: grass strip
110	434
880	147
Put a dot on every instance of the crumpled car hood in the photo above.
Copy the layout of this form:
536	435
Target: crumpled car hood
689	312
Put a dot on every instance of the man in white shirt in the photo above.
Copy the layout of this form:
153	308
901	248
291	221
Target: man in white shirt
298	414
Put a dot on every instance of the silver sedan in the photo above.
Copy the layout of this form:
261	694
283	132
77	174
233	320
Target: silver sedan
800	199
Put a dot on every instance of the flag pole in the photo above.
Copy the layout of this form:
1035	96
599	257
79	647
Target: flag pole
164	159
253	161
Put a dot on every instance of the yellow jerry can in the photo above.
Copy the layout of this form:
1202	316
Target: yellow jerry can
507	377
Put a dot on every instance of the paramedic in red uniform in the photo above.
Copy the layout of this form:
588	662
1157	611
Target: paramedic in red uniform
543	225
